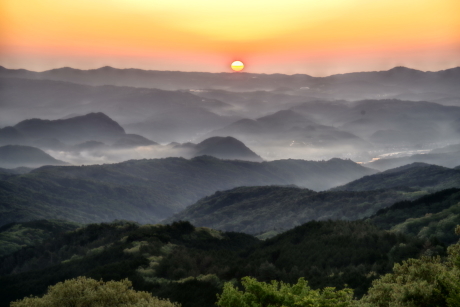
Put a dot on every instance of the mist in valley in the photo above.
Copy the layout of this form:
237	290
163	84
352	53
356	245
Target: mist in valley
362	116
193	128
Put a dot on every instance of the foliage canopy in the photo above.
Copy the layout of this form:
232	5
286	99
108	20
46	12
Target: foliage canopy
88	292
279	294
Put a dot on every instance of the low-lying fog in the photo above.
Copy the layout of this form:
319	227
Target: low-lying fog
119	154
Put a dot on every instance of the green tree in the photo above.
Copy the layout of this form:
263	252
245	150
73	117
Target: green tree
428	281
87	292
279	294
452	281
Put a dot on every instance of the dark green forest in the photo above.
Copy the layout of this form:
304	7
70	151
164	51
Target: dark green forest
15	236
347	238
189	264
431	216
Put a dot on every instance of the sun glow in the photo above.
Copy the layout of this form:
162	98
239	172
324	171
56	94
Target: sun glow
237	66
290	36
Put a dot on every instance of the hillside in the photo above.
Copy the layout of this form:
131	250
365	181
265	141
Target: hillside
256	210
149	190
15	236
180	125
286	128
433	215
400	124
61	133
126	250
189	264
15	171
259	210
416	175
132	140
226	148
53	99
93	126
12	156
217	146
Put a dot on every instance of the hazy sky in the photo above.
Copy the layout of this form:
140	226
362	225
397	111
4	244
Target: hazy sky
317	37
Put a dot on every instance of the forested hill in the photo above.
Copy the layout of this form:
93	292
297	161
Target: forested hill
189	265
262	209
15	236
416	175
149	190
433	215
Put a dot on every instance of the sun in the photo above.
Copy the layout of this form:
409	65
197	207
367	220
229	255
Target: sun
237	65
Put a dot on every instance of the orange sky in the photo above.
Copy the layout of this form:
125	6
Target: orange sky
289	36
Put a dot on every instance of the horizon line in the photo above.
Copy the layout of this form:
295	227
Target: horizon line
234	72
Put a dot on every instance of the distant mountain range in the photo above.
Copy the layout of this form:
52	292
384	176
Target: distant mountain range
93	132
367	117
56	133
287	128
97	126
256	103
179	125
393	79
55	99
387	122
149	190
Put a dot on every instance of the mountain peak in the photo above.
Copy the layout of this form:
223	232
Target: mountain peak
79	128
95	115
226	148
64	69
398	69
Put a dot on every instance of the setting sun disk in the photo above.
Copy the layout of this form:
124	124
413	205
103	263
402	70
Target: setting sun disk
237	66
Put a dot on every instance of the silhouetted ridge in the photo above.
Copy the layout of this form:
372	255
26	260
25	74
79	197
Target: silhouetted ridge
433	215
12	156
226	148
264	208
403	69
416	175
133	140
89	126
243	81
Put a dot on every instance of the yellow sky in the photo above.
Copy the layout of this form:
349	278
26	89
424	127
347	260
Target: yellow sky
289	36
